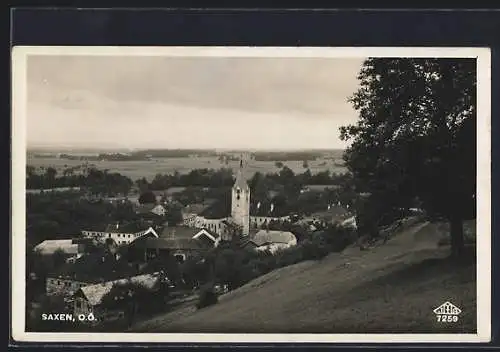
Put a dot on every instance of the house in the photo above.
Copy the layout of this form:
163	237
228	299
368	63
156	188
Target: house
62	286
350	222
185	242
272	240
212	238
120	234
156	209
197	216
335	214
87	270
180	242
89	299
258	221
217	226
71	247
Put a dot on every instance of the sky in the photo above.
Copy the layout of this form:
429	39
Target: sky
189	102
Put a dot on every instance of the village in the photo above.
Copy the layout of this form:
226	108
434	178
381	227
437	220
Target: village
169	252
202	195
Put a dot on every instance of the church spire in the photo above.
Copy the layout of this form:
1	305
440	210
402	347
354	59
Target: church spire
240	181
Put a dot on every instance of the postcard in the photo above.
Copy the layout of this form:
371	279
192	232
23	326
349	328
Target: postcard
251	194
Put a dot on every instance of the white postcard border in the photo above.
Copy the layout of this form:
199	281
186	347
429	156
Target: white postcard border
18	240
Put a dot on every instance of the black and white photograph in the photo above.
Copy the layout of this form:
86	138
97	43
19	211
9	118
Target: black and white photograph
242	194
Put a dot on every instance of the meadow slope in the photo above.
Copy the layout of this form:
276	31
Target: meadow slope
389	289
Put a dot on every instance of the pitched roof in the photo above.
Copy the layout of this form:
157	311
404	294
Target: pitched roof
95	293
69	246
178	232
145	208
264	237
171	243
240	181
208	233
132	227
95	267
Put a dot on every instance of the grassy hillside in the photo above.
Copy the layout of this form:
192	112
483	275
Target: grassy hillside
389	289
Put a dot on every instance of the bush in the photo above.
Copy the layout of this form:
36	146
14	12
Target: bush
315	249
207	297
289	256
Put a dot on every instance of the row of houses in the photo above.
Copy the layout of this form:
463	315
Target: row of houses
218	226
119	234
88	300
84	282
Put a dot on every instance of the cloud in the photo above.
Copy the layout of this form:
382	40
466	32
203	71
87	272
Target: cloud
317	85
188	101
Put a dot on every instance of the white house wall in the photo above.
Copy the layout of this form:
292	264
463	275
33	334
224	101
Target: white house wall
119	238
60	286
256	221
199	222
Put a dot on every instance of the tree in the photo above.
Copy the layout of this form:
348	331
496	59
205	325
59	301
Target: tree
416	137
174	215
234	232
132	298
142	184
147	197
58	257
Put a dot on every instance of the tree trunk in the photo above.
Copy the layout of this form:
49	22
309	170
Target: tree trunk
457	236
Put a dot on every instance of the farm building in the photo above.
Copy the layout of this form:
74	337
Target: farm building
258	221
87	270
266	240
120	234
155	209
89	299
67	246
180	242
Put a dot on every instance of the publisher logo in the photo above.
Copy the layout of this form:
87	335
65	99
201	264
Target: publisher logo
447	313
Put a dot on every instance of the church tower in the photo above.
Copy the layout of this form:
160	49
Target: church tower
240	201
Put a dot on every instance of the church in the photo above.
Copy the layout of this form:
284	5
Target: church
240	210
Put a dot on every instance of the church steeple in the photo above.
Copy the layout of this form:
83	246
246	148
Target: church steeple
240	201
240	181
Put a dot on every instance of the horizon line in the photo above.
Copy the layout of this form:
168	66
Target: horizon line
54	147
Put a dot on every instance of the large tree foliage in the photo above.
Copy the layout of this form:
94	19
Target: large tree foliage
416	136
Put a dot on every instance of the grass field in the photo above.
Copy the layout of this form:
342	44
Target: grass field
393	288
149	168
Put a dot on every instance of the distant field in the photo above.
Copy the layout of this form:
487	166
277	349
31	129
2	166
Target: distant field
149	168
